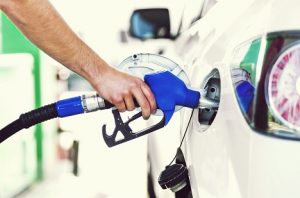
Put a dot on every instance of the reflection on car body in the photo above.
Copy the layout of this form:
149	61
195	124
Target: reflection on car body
245	151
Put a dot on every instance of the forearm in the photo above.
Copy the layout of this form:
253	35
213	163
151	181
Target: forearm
41	23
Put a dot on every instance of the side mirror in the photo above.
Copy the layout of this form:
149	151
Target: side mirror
150	24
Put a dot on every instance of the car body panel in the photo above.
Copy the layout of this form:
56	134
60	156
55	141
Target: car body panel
229	159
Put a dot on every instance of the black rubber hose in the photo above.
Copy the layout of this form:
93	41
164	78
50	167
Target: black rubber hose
29	119
10	129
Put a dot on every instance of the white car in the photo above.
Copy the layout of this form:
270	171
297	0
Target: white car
246	54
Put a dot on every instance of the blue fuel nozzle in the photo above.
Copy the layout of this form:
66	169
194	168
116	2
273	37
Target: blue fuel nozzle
170	91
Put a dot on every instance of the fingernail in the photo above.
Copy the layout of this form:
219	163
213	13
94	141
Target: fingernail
146	118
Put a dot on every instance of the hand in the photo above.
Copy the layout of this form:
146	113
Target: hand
120	88
62	44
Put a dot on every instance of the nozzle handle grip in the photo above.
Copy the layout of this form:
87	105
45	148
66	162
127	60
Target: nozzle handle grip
170	91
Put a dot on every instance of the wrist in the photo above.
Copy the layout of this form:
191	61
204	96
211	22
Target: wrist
95	71
90	65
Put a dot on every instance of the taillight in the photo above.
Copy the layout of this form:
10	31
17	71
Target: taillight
283	87
266	78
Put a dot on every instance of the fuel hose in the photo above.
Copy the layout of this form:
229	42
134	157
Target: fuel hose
61	108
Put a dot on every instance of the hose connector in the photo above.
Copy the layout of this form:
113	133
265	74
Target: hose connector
92	103
81	104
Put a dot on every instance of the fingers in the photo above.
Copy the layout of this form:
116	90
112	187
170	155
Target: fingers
145	98
145	106
121	89
129	102
150	97
119	104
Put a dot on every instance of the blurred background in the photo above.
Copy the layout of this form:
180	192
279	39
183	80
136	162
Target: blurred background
68	157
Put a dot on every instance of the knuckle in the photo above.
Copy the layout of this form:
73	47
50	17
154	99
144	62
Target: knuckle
117	101
133	86
125	93
137	80
144	104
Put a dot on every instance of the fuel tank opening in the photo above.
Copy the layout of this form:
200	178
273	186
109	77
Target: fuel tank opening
212	92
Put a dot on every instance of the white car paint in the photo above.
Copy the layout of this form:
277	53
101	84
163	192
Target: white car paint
229	159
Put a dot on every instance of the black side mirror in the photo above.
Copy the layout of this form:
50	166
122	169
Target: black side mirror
150	24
